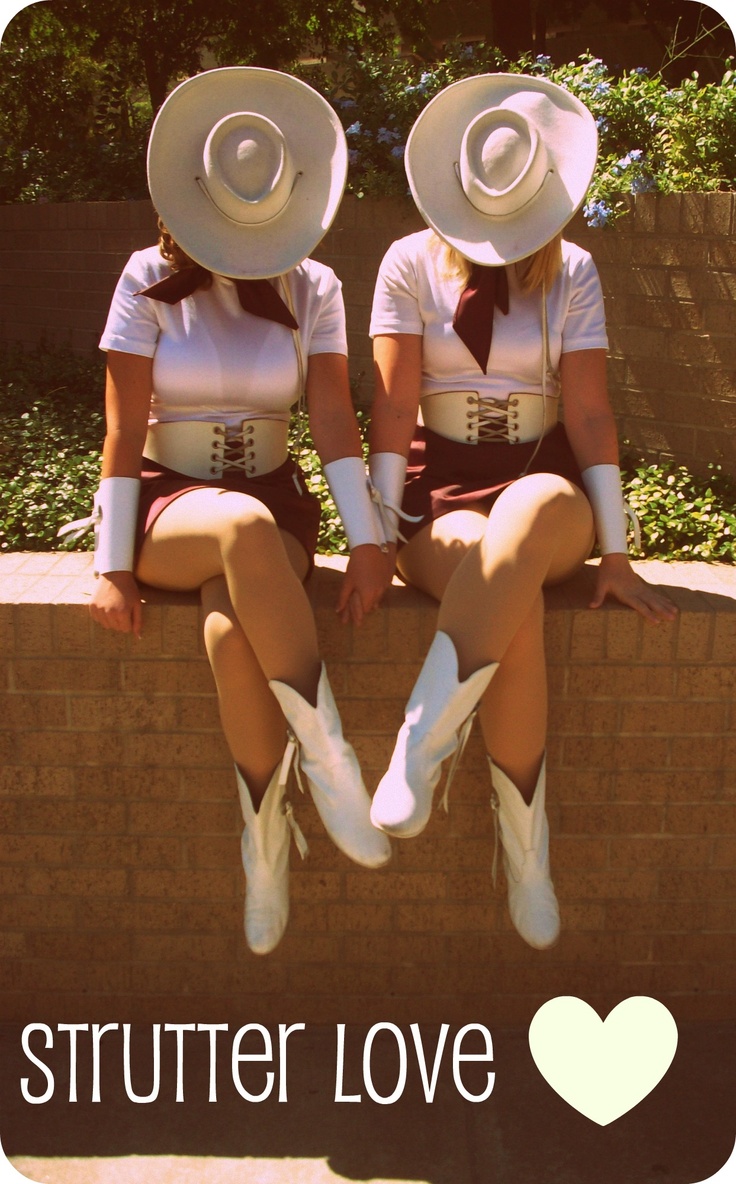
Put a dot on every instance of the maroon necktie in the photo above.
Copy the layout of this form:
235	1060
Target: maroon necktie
486	290
258	297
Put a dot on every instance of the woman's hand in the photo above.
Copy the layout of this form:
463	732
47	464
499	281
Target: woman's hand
116	603
617	578
369	573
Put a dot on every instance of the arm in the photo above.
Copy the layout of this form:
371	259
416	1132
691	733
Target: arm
397	365
336	435
116	601
591	430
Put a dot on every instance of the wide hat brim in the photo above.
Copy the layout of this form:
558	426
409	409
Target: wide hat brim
433	151
317	148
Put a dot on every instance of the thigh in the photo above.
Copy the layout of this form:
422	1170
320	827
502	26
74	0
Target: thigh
431	557
184	546
547	510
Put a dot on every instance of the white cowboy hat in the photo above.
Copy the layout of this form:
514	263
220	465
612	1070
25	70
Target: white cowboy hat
499	163
246	168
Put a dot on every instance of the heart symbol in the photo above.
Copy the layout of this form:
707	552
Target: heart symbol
603	1068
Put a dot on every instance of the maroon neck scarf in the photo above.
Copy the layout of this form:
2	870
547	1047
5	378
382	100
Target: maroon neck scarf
486	290
258	297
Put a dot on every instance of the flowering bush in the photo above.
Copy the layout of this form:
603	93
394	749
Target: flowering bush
652	137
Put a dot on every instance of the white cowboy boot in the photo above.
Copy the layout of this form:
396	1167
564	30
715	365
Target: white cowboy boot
438	719
264	848
333	773
525	839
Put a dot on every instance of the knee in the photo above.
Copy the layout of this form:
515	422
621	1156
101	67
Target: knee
224	639
249	530
544	505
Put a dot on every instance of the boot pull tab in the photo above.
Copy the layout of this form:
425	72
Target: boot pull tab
291	756
302	845
457	756
494	807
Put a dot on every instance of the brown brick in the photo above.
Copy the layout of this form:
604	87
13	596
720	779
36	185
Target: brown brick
693	719
682	884
390	886
712	818
659	851
183	818
27	712
621	682
65	674
724	638
445	917
158	676
706	682
611	818
183	885
652	916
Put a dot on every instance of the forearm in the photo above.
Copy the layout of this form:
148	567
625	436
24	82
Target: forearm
121	453
398	371
593	439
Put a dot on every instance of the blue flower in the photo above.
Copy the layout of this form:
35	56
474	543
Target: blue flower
602	124
345	104
353	156
597	213
602	88
387	136
643	184
642	71
354	130
398	151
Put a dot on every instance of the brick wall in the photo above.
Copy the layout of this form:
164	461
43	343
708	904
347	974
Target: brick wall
121	886
668	272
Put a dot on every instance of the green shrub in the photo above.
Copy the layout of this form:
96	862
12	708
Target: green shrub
51	428
652	136
682	516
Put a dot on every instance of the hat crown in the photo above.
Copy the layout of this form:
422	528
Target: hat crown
503	157
503	161
247	168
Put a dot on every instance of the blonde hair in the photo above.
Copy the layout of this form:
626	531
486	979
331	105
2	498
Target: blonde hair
542	267
173	254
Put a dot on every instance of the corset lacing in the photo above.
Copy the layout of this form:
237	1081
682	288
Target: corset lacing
491	419
234	452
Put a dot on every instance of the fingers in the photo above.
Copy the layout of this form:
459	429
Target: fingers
653	606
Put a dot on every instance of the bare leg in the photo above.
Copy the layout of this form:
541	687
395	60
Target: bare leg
262	637
252	720
488	574
208	533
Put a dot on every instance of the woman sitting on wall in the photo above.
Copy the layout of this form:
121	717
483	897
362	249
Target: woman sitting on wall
212	337
486	322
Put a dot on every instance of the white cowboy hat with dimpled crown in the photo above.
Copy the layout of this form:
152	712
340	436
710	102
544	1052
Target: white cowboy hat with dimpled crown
499	163
246	168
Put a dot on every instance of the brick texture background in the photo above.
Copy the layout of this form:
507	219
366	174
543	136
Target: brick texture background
120	879
668	271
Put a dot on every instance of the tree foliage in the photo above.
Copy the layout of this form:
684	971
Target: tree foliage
80	80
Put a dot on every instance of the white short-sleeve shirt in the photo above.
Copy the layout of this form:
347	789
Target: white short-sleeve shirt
211	359
415	294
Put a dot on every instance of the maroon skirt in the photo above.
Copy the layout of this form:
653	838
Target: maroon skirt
284	491
444	475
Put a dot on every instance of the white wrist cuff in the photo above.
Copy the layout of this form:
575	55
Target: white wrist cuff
603	487
348	482
387	475
115	515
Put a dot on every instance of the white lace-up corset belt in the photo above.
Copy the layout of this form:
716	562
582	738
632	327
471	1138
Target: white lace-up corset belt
208	451
466	417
